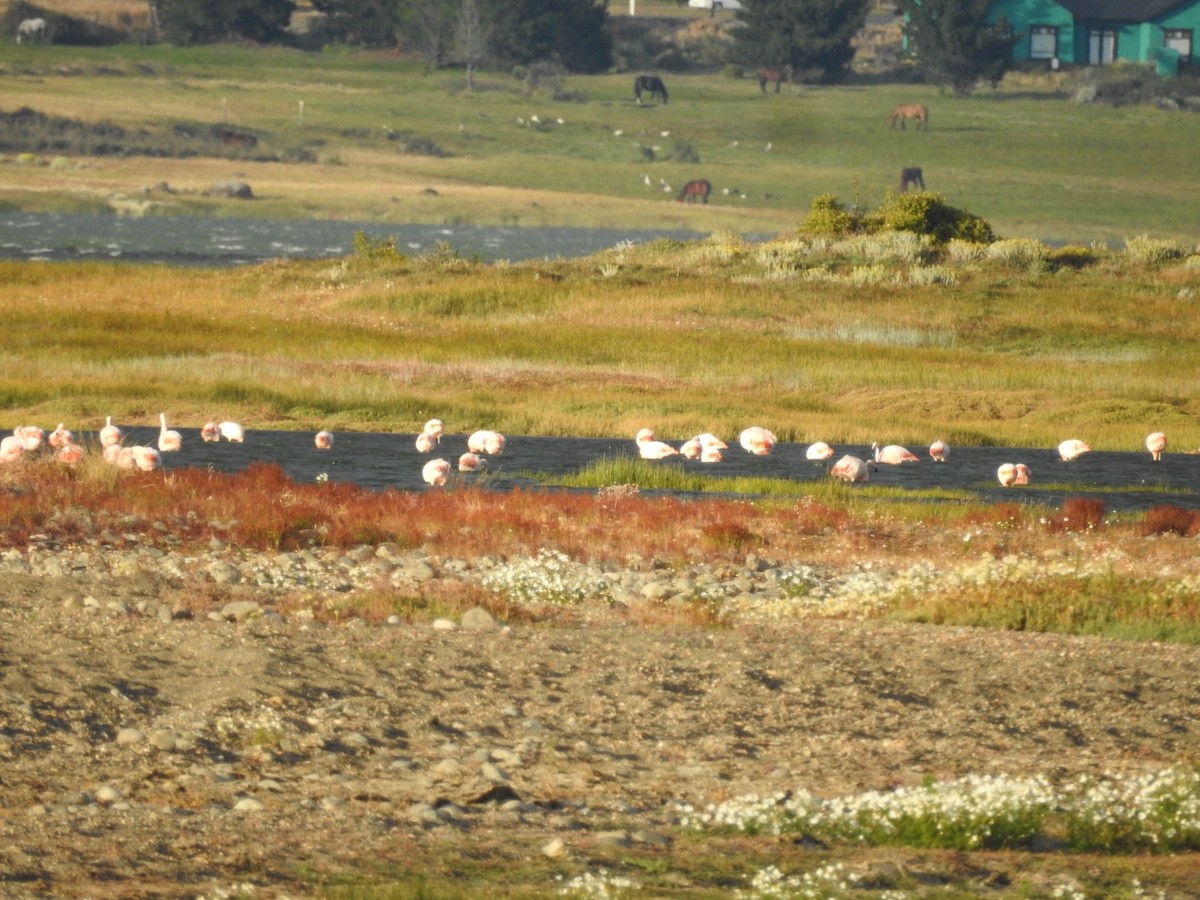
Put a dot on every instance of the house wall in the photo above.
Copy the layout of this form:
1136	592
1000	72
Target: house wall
1020	14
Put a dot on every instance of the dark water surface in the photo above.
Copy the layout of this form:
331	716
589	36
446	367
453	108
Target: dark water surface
1124	480
216	242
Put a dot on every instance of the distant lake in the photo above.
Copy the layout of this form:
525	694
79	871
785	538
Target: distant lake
219	242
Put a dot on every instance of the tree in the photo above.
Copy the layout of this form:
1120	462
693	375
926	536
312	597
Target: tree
955	44
208	21
429	26
368	23
575	32
813	36
471	37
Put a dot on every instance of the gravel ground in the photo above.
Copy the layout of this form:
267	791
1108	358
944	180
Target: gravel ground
150	747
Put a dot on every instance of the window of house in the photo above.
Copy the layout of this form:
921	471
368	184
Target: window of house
1180	40
1043	42
1102	47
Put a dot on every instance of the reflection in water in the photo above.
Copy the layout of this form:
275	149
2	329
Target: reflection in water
1125	481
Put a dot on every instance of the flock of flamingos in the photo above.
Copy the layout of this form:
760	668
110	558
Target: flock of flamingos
703	447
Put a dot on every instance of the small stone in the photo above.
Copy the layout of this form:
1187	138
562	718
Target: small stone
554	849
240	610
614	839
248	804
444	625
163	740
130	736
106	793
478	619
493	772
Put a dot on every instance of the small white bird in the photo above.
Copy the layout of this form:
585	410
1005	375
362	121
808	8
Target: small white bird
767	148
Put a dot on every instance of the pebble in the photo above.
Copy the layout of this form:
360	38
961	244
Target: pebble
249	804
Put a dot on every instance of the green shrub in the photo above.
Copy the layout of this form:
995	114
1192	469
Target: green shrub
1072	256
924	212
829	217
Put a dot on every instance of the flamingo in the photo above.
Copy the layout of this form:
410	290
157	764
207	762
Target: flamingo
323	440
112	454
470	462
211	432
60	437
1156	443
851	469
125	458
426	442
30	435
168	441
757	440
691	449
1073	449
434	427
893	455
110	434
819	450
491	442
435	472
146	458
12	448
711	454
649	448
711	440
1010	474
71	454
232	432
939	451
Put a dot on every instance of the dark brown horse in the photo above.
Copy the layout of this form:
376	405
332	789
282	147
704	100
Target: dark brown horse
911	175
651	84
693	189
777	74
918	111
231	138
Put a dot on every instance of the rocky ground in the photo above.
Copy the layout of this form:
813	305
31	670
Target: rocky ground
151	746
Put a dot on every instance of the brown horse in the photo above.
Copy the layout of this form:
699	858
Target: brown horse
911	175
653	85
777	74
693	189
918	111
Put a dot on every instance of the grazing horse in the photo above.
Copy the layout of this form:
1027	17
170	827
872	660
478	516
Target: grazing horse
33	30
693	189
778	75
653	85
911	175
918	111
231	138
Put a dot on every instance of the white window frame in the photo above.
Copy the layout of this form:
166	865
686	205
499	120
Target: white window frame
1038	37
1179	39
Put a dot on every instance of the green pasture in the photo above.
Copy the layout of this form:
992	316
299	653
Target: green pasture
1024	157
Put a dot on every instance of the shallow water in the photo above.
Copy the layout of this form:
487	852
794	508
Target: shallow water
1124	480
215	242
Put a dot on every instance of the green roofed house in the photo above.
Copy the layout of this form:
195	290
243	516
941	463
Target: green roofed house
1101	32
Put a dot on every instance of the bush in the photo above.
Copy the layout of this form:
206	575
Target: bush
1072	256
927	213
827	216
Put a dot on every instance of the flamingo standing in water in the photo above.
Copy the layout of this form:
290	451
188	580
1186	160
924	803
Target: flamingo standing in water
938	451
1010	474
434	427
691	449
232	432
483	441
649	448
1156	443
110	434
425	442
323	440
819	450
168	441
210	433
1073	449
470	462
435	472
851	469
757	440
146	458
893	455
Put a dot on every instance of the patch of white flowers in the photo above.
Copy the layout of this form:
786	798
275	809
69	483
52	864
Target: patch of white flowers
1017	251
551	578
1115	813
599	885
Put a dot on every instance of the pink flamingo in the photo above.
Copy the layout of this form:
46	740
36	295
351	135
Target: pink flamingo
483	441
232	432
210	433
434	427
938	451
893	455
323	440
435	472
711	440
71	454
757	440
12	448
112	454
110	434
146	458
1073	449
851	469
691	449
711	454
1010	474
819	450
60	437
426	442
31	436
168	441
1023	473
470	462
649	448
1156	443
